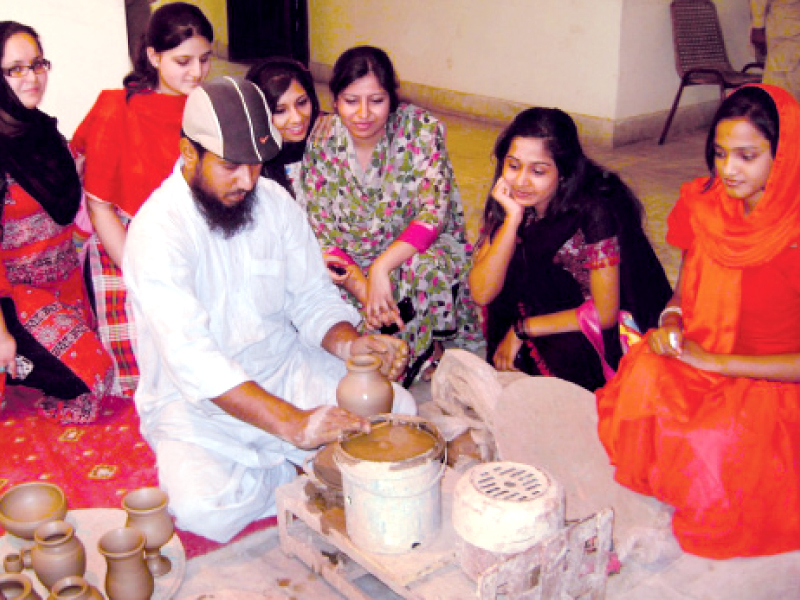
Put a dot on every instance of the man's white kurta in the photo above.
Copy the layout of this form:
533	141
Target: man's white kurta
212	313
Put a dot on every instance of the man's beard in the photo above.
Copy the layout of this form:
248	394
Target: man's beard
228	220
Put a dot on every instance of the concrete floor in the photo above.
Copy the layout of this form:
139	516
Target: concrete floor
256	568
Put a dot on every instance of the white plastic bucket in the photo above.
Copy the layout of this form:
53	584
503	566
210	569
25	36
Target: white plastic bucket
393	507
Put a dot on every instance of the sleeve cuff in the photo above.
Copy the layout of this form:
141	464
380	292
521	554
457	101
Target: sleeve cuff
420	235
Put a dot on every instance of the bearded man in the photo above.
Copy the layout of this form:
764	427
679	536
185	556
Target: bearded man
242	337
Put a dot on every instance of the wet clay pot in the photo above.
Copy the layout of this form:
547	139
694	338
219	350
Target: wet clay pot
18	587
74	588
364	390
147	512
127	577
58	553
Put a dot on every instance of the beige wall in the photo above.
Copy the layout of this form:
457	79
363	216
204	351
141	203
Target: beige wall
610	61
647	77
87	44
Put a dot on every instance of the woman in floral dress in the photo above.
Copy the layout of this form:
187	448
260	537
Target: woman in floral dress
382	198
46	337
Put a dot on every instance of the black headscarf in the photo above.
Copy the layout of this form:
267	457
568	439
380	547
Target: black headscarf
32	151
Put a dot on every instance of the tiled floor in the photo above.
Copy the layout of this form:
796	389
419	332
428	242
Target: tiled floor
259	570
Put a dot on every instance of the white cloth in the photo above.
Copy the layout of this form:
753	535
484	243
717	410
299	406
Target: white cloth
212	313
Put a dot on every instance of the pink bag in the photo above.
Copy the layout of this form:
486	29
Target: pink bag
589	322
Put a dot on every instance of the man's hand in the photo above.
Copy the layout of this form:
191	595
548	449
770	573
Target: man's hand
392	351
324	425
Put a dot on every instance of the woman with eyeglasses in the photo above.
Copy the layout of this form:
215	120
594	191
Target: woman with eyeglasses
130	141
46	337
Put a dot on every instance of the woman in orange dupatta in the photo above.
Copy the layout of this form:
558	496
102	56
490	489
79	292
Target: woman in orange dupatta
705	416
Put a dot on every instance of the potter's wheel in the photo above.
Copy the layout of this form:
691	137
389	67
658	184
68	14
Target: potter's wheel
325	468
90	524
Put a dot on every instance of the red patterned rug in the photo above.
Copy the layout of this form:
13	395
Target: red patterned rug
95	464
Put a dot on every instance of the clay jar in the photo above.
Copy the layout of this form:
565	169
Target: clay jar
12	563
127	577
18	587
147	512
364	390
74	588
57	553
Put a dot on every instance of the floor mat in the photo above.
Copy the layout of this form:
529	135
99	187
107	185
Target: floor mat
95	464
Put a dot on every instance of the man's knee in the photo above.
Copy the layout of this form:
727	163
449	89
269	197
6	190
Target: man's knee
212	496
404	403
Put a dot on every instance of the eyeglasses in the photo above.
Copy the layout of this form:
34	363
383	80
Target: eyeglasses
38	66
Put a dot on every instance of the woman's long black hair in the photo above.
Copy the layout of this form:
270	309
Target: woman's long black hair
580	179
274	76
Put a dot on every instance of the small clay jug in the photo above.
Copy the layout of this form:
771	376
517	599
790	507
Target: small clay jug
147	512
16	586
364	390
127	577
57	553
13	563
74	588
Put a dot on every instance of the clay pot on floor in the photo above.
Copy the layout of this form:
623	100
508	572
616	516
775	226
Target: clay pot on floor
127	577
364	390
12	563
58	553
74	588
17	586
147	512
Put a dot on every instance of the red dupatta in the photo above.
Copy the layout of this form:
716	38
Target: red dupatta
130	145
727	241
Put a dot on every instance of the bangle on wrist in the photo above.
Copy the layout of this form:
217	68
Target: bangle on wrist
670	310
519	329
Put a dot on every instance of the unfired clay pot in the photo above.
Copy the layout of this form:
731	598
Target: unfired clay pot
74	588
364	390
127	577
18	587
12	563
147	512
57	553
26	506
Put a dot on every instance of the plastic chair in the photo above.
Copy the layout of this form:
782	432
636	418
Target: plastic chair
700	55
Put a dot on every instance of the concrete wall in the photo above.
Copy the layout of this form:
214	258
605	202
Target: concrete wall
86	41
607	62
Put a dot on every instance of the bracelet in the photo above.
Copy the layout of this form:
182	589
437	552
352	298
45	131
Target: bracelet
519	329
670	310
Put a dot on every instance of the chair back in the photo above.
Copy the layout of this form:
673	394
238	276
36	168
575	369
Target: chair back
697	36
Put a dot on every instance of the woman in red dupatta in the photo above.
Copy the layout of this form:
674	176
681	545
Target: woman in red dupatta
705	416
130	142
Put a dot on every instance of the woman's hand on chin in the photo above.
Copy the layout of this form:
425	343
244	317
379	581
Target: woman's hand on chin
502	193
